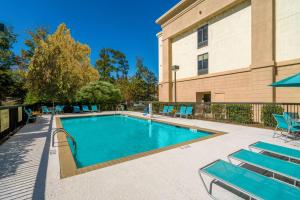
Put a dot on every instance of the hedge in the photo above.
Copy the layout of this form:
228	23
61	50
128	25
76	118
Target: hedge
266	114
241	113
218	111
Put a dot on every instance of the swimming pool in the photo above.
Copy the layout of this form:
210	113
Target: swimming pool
105	138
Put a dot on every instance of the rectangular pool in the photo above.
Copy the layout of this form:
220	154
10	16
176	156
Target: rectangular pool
105	138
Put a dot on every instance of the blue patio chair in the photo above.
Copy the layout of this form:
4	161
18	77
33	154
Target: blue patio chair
85	108
76	109
95	109
292	118
188	111
252	184
30	116
276	149
45	110
170	110
165	110
58	109
181	111
284	127
271	164
146	111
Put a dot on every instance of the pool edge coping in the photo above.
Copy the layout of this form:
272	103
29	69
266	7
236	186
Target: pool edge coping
67	163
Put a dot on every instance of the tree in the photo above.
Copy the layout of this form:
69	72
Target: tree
99	92
7	57
147	80
112	65
31	44
59	67
10	85
122	66
105	64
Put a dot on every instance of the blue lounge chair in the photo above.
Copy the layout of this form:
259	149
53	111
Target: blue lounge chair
188	111
165	110
248	182
94	108
29	115
274	165
45	110
292	118
181	111
76	109
285	128
276	149
85	108
170	110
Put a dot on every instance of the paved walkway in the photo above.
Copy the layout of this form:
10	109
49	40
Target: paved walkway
29	167
24	162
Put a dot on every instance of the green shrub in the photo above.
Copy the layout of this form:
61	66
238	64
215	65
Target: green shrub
266	114
241	113
156	107
99	92
218	111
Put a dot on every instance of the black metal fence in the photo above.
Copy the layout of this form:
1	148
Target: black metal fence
244	113
11	118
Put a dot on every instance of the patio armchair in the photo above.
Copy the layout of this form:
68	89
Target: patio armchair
181	112
292	118
76	109
45	110
286	129
165	110
188	111
95	109
59	109
30	116
85	108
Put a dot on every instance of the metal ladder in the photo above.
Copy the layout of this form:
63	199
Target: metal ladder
67	135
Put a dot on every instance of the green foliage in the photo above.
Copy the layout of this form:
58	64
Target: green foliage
218	110
99	92
31	44
241	113
112	65
146	81
266	114
105	64
156	107
7	57
30	99
59	67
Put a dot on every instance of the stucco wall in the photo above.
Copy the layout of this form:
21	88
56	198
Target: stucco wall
229	43
287	29
230	39
160	57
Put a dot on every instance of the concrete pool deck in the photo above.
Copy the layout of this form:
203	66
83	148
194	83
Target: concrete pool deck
29	166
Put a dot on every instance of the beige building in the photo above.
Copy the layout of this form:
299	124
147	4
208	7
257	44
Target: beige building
229	50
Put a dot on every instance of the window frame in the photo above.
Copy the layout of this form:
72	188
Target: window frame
202	43
203	70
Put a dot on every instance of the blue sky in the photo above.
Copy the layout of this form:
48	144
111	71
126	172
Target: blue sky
125	25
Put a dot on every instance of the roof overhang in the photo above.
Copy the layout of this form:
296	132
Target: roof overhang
183	4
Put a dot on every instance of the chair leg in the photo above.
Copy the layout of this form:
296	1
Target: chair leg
275	132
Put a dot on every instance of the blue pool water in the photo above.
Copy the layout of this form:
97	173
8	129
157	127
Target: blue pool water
105	138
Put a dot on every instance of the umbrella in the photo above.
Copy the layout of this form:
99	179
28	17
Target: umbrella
292	81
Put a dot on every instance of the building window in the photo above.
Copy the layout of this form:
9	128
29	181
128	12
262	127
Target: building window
203	36
203	64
